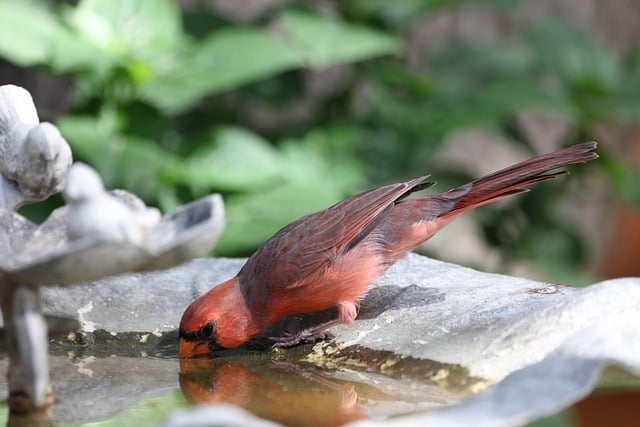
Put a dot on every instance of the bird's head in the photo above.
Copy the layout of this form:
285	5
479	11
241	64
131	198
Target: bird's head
216	321
198	331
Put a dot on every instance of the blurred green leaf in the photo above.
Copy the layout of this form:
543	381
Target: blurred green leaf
4	413
121	28
312	182
480	84
232	159
26	32
625	104
305	160
393	12
236	56
623	177
477	62
142	167
323	41
498	99
576	59
402	13
72	53
254	217
93	139
226	59
118	45
122	161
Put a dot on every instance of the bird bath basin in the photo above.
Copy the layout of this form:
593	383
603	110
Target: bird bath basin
434	343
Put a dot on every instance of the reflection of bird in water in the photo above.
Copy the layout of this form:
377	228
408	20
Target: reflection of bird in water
96	213
34	156
291	396
345	389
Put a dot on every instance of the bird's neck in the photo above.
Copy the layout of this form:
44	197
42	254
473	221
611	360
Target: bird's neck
237	324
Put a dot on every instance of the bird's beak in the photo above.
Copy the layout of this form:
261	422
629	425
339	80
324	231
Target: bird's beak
190	349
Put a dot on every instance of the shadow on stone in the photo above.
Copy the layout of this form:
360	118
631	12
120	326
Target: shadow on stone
388	297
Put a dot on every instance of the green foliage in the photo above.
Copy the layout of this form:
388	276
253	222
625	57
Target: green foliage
165	104
624	179
122	159
307	183
21	40
324	42
227	59
230	159
125	53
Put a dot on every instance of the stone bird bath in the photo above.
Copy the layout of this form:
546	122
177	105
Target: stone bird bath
95	235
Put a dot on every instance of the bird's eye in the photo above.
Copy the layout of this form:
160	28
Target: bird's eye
207	330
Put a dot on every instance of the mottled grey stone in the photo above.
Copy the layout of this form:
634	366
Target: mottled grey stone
139	302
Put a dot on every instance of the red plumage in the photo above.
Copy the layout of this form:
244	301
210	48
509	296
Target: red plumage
330	258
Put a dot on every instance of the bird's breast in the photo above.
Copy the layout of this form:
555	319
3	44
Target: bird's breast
346	278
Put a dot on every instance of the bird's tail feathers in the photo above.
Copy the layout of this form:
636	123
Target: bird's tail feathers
514	179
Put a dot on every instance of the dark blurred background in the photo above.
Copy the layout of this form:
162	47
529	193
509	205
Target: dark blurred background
286	107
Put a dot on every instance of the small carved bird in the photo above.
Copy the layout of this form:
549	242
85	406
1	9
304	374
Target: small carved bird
93	212
34	157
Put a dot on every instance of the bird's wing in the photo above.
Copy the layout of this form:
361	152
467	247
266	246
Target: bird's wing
309	245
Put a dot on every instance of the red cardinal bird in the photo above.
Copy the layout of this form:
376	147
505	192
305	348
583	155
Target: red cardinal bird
330	258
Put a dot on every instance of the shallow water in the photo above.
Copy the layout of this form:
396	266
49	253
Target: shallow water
136	379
